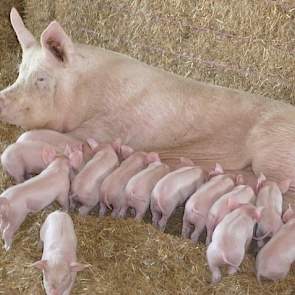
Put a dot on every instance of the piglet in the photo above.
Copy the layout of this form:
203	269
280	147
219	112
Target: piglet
198	205
86	185
231	239
112	190
59	260
140	186
270	197
274	260
22	159
172	191
242	194
35	194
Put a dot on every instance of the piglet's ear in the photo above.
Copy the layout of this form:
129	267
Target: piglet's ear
261	179
57	44
186	161
41	264
76	266
48	155
289	214
92	143
152	157
258	213
76	159
232	204
240	179
216	171
284	185
126	151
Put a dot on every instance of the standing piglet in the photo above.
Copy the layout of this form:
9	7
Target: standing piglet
112	190
231	239
140	186
242	194
172	191
22	159
270	197
274	260
59	260
86	185
35	194
198	205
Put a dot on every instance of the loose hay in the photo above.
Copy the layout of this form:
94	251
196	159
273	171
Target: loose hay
243	44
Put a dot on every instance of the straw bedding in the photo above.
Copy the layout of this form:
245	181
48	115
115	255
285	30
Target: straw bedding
243	44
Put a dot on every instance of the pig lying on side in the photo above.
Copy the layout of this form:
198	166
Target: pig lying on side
22	159
231	239
172	191
112	189
274	260
59	261
270	197
86	185
35	194
198	205
140	186
242	194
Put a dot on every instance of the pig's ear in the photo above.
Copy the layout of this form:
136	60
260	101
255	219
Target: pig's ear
240	179
232	204
258	213
41	264
126	151
289	213
284	185
152	157
76	159
57	43
92	143
76	266
261	179
186	161
48	155
24	36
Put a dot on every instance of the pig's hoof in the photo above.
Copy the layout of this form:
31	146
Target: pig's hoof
232	270
7	247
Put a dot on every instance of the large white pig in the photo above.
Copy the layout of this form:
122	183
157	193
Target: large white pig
59	259
274	260
35	194
93	92
270	197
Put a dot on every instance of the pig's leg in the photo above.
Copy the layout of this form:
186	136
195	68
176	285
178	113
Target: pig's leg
123	211
84	210
187	228
3	225
140	211
102	209
63	200
162	222
10	230
156	216
232	270
196	234
115	212
213	262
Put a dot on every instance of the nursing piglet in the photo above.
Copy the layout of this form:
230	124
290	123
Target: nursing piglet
59	260
112	189
231	239
198	205
35	194
86	185
274	260
172	191
22	159
140	186
270	197
242	194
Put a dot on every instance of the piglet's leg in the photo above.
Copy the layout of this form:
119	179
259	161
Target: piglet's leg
63	200
162	223
232	270
156	216
187	228
196	234
9	232
84	210
122	213
102	209
115	213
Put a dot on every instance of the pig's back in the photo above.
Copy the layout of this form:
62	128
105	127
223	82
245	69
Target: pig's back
270	198
209	192
96	170
143	182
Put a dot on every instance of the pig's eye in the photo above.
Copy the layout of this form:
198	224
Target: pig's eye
41	79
